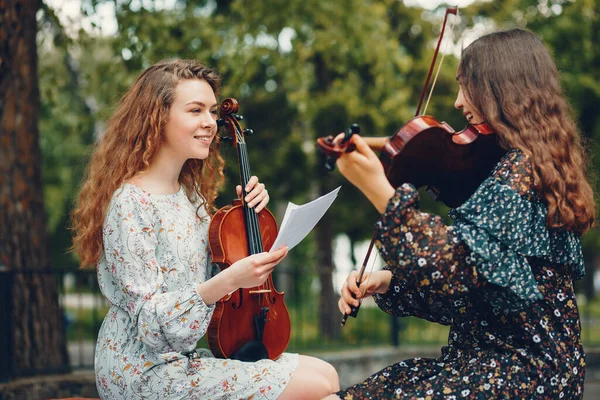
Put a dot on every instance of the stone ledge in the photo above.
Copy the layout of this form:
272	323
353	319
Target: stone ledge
354	366
42	387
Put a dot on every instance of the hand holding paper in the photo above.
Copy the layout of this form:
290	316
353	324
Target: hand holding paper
298	221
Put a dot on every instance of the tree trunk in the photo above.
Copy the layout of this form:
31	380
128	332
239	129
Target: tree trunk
37	340
329	315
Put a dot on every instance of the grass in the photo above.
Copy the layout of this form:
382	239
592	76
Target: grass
372	327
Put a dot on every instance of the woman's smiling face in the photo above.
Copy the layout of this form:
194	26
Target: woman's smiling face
463	103
192	123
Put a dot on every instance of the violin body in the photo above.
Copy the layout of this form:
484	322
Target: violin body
226	333
426	152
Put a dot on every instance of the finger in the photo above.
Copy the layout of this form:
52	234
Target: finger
255	195
354	158
343	306
252	182
362	147
282	256
352	286
344	290
349	299
263	203
338	139
238	190
275	255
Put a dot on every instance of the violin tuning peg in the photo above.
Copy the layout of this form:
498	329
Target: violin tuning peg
226	139
354	128
248	132
330	164
238	117
220	122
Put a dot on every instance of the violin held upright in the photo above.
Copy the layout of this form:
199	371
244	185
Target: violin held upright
248	324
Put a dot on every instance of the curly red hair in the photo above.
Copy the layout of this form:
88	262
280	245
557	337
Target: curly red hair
512	80
130	144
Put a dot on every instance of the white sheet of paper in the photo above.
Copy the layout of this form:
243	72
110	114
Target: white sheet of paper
298	221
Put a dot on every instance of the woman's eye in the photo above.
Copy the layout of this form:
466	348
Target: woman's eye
196	110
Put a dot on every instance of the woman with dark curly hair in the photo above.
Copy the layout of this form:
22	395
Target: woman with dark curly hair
142	220
502	274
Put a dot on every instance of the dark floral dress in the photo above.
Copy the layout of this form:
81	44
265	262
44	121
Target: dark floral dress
500	278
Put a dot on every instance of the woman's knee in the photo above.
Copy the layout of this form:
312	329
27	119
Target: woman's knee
327	371
332	374
314	378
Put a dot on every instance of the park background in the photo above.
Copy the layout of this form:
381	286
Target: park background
300	69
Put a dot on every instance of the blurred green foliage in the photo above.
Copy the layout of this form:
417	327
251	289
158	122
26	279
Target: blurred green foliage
300	69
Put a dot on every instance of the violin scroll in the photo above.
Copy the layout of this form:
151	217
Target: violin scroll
334	150
228	107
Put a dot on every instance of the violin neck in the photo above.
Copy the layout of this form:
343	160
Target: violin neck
376	143
255	244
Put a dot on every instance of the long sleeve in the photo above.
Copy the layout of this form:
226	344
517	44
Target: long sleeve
431	267
486	252
133	279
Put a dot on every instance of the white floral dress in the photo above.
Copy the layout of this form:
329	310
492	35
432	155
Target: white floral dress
155	255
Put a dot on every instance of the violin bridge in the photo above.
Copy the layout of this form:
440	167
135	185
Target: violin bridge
259	291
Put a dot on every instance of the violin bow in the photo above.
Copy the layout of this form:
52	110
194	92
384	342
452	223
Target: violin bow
449	10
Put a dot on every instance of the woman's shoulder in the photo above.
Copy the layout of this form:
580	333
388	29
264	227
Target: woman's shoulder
126	193
515	170
129	198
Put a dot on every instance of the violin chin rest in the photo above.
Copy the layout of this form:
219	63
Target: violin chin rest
251	351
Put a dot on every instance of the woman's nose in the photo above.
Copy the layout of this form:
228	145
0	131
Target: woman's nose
458	102
210	121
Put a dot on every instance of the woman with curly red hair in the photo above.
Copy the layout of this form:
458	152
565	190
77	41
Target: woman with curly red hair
502	274
142	219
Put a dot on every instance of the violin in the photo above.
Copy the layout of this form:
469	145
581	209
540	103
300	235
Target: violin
427	152
248	324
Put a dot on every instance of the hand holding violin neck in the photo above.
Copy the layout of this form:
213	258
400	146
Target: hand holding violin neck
332	148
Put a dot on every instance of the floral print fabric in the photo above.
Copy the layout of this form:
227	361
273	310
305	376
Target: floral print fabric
500	279
504	227
155	255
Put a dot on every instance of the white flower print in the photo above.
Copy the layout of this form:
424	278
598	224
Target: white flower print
540	389
557	313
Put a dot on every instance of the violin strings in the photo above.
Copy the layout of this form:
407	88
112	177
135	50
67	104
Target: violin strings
440	64
252	226
251	217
